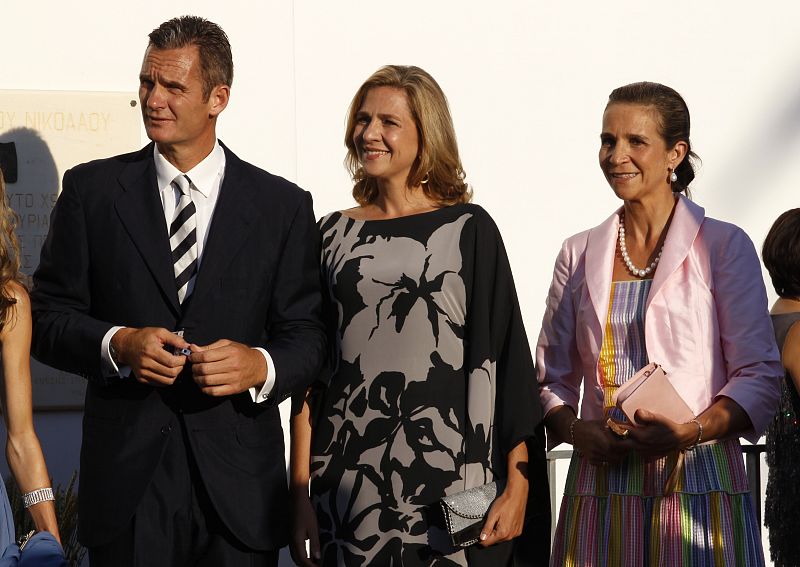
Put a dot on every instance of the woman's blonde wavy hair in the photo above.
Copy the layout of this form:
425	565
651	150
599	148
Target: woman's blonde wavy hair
9	255
438	159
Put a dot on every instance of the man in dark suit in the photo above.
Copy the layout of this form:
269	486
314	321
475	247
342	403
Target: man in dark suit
183	283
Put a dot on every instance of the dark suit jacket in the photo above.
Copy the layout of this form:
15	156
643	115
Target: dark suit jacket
107	261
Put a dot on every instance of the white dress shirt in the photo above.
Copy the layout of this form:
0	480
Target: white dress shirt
206	179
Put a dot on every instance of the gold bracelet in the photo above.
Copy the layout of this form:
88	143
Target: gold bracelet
699	434
572	430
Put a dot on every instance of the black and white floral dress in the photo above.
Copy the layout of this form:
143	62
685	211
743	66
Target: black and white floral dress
433	385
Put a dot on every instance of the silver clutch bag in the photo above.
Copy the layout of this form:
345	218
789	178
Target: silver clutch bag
464	513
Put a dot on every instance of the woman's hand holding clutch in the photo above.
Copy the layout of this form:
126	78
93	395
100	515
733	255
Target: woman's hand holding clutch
598	444
506	517
656	436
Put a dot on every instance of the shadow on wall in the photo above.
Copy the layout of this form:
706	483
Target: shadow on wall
766	152
33	193
33	196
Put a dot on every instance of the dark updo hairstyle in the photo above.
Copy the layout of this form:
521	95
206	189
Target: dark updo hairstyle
674	123
781	254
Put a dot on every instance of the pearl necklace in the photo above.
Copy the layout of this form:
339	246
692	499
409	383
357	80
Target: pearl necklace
627	259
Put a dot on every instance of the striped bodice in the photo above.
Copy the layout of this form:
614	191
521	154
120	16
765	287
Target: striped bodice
623	351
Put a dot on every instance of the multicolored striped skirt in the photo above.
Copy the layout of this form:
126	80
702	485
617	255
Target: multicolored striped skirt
616	515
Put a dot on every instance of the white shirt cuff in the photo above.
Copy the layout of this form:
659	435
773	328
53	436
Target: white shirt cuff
109	366
266	389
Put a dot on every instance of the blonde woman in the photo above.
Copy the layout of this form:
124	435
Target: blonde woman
433	392
23	451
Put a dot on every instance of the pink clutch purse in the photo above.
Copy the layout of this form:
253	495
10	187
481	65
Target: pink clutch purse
650	389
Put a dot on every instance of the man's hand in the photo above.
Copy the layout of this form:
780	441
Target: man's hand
224	367
148	352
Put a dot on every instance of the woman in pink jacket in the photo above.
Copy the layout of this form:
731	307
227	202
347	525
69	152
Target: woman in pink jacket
658	281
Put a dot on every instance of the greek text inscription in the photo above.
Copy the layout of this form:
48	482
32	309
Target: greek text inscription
61	121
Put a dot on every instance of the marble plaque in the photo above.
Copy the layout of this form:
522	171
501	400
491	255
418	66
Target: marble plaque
51	132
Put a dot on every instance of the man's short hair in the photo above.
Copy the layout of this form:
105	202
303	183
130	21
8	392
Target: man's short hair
216	60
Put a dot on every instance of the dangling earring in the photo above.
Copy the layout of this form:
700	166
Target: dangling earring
673	177
425	179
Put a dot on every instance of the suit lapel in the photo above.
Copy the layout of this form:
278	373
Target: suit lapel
233	218
600	248
141	213
683	230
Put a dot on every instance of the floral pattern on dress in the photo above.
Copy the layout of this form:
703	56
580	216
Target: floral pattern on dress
408	415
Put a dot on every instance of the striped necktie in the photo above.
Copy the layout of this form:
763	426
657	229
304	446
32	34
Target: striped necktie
183	238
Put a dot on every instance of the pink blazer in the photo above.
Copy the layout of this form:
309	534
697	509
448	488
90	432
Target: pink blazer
706	319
